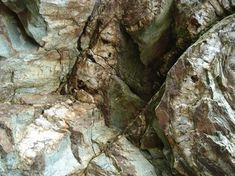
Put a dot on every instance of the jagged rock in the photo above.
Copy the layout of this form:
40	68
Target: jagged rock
40	72
14	119
192	18
96	72
102	166
129	66
147	22
38	139
52	24
121	158
25	69
12	37
129	159
111	57
196	111
105	59
123	104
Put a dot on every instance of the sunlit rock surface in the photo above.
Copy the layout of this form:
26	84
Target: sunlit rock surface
26	67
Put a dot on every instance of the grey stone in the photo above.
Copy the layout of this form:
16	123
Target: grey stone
124	105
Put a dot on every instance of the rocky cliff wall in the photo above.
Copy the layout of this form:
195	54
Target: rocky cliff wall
106	87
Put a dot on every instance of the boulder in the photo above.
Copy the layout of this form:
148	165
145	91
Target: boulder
196	112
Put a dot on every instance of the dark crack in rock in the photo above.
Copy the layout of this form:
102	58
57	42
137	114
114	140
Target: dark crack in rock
107	87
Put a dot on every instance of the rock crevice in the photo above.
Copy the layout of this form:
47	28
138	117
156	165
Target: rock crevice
98	87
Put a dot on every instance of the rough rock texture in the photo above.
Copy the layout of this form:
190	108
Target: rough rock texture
38	138
25	67
147	21
50	22
196	111
194	17
83	87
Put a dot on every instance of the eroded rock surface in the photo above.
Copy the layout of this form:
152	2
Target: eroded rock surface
26	67
193	18
51	22
63	138
196	111
80	81
147	22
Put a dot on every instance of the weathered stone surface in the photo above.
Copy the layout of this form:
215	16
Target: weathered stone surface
96	73
196	111
109	60
130	160
41	72
14	119
101	166
120	158
27	68
38	139
53	24
105	59
12	36
192	18
147	22
123	104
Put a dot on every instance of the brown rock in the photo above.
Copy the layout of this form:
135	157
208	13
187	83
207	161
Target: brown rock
195	112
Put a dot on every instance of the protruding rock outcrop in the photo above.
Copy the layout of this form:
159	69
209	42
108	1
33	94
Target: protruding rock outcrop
83	90
52	135
193	18
196	111
52	24
148	23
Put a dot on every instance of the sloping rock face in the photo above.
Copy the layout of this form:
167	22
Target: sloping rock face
52	135
26	67
50	22
48	134
107	88
146	21
193	18
196	111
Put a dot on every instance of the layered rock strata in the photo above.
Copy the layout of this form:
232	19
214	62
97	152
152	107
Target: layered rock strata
106	87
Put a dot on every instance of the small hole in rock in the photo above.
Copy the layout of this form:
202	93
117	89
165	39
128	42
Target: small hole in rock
194	78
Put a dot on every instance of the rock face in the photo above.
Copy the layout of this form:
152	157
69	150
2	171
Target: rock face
101	88
40	137
147	21
50	22
193	18
196	111
27	68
